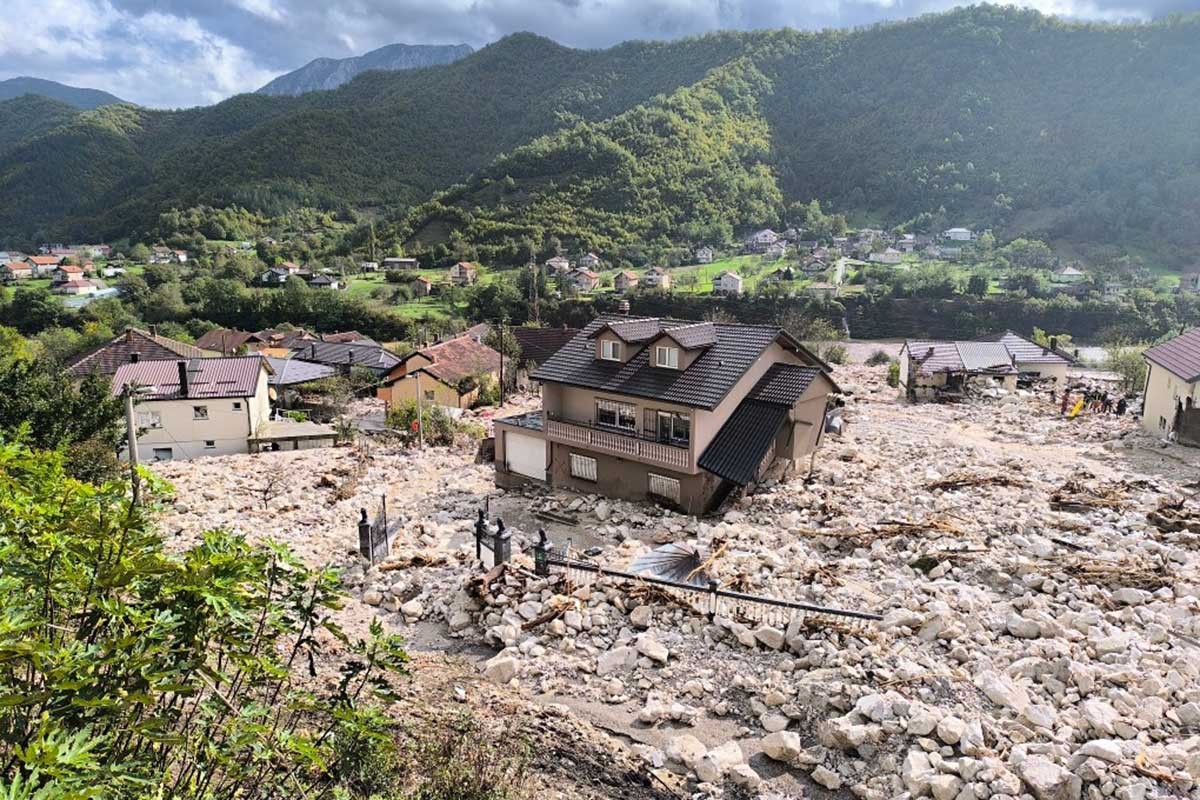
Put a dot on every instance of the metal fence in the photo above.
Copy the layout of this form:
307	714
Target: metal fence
373	541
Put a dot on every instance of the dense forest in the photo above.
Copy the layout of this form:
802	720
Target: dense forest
1080	134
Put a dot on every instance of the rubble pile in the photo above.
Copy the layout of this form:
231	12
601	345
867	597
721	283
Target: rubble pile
1037	579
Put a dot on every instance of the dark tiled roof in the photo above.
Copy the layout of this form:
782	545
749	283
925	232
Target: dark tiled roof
370	356
783	384
291	371
1024	351
691	337
703	384
207	378
108	358
630	330
225	340
1180	355
742	443
345	336
538	344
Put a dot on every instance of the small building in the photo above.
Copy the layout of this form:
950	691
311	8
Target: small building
368	266
760	241
449	374
588	261
275	276
323	281
728	283
77	288
43	265
346	356
421	286
656	278
889	256
776	249
582	280
228	341
1032	360
813	266
958	234
1115	290
16	271
625	280
463	273
1170	408
290	267
130	347
399	263
939	370
1068	274
557	265
197	407
705	255
1189	281
821	289
907	243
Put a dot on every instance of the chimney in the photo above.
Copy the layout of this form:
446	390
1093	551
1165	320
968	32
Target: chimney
183	378
154	330
1053	342
129	334
134	357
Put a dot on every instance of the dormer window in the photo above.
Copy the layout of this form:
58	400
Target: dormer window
610	350
666	357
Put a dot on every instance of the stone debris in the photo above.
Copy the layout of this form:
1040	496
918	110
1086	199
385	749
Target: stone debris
1038	578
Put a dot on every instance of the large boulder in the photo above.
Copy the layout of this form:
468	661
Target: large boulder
1048	781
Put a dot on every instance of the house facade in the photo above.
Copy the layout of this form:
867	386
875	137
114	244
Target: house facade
933	370
656	278
727	283
421	286
43	265
761	241
588	261
197	407
1171	408
15	271
448	374
399	263
671	410
582	280
463	273
889	256
557	265
625	280
704	255
958	235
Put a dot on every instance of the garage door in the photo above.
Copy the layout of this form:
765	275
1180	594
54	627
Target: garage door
525	455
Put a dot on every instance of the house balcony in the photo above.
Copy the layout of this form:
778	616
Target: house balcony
618	443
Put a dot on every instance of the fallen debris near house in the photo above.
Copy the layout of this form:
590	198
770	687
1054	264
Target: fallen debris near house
1175	517
1079	498
1114	573
963	481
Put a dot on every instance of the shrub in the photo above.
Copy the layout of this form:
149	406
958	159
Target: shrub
878	359
1129	364
893	375
439	427
460	761
836	354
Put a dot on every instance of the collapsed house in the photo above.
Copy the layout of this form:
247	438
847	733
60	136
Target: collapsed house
933	370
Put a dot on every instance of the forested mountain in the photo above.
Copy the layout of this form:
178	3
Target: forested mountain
30	115
323	74
981	116
80	98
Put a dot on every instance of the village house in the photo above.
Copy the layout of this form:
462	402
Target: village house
64	273
656	278
776	250
557	265
781	275
1115	290
806	246
889	256
625	280
1172	396
165	255
129	347
229	341
958	234
670	410
704	255
421	286
275	276
588	261
196	407
16	271
761	241
581	280
346	356
1189	281
728	283
1032	360
76	287
43	265
399	263
291	267
368	266
463	273
907	243
1068	274
813	266
822	289
450	374
322	281
934	370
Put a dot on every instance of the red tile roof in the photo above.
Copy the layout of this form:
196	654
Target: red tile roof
206	378
45	261
1180	356
460	358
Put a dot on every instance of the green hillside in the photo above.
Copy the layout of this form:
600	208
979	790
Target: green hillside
1082	134
31	115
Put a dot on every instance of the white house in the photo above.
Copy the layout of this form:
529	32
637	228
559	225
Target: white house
656	278
396	262
704	255
727	283
776	249
588	261
1068	274
558	265
76	287
759	241
198	407
888	256
958	234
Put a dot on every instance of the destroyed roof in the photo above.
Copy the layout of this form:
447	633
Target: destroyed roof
1025	351
933	357
1180	356
292	371
235	376
703	384
108	357
740	447
369	355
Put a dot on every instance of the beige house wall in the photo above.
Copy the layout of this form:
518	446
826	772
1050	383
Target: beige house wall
405	391
1165	391
227	427
1056	371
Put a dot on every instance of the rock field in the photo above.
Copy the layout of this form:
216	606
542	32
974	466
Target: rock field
1037	580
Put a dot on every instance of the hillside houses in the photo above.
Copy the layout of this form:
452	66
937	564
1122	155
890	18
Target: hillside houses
581	280
624	281
656	278
728	283
705	255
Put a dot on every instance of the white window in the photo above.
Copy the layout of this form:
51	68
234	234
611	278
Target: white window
149	420
237	406
583	467
616	415
209	444
662	486
673	428
666	357
162	454
610	350
199	412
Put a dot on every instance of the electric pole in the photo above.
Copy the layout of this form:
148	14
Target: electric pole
420	415
131	438
535	274
500	335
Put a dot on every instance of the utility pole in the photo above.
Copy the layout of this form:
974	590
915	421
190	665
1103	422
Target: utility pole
535	274
500	335
420	415
131	438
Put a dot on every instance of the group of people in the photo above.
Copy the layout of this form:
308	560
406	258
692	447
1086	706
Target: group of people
1094	400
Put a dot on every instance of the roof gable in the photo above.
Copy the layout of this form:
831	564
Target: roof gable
1180	356
110	356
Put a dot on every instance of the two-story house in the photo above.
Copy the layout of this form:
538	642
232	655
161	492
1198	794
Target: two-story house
705	255
657	278
198	406
463	273
759	241
672	410
728	283
625	280
581	280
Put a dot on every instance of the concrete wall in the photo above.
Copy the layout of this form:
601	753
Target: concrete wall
629	480
405	390
1165	392
228	428
1056	371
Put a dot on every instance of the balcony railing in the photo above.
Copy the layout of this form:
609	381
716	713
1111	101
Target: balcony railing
618	443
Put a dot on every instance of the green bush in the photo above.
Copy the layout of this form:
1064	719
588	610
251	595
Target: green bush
836	354
878	359
439	427
130	672
893	374
459	761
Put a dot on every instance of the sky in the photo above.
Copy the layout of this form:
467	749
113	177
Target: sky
177	53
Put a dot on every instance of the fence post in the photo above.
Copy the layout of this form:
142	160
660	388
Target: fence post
713	586
480	529
501	544
541	555
364	538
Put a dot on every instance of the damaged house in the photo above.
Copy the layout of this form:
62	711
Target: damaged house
1173	389
933	370
672	410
